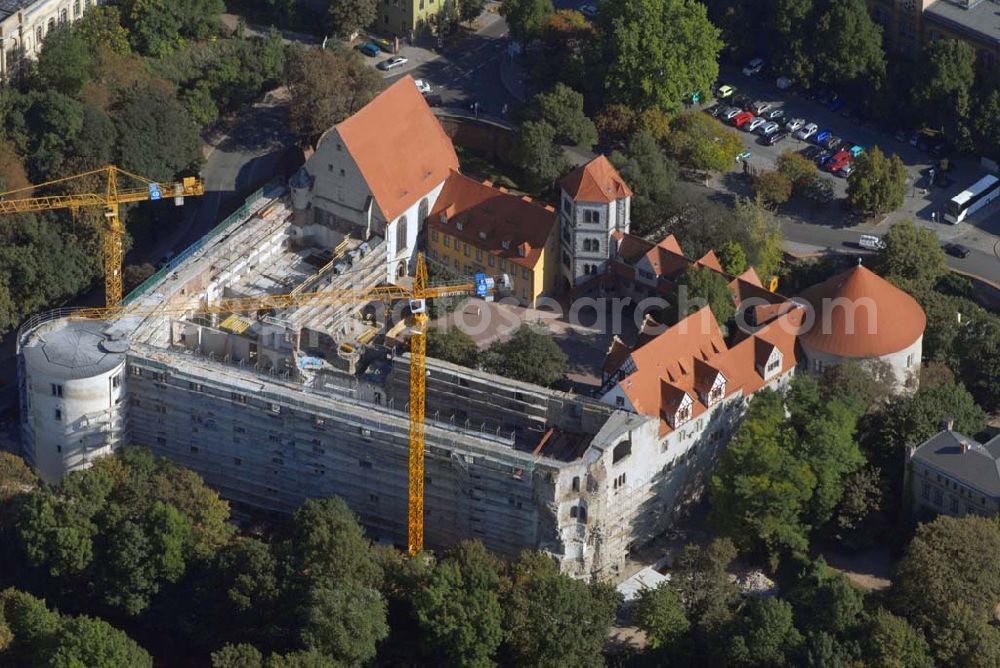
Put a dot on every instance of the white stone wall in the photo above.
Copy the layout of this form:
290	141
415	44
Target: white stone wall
905	364
26	29
413	226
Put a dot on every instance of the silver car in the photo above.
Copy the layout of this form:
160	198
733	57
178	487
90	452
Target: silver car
730	113
754	123
759	107
768	129
794	124
808	131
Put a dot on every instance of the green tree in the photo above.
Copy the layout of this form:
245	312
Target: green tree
963	636
773	187
652	178
701	577
452	345
912	253
848	45
825	600
757	230
237	656
732	257
552	619
101	28
537	154
799	169
660	613
328	543
347	17
986	135
326	87
143	117
157	27
85	641
64	62
526	18
528	356
16	478
344	622
134	274
657	52
701	142
943	91
877	184
949	561
458	608
761	490
562	108
706	286
791	37
890	642
979	343
766	635
469	10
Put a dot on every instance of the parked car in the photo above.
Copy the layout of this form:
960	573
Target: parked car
742	118
832	142
783	83
760	106
423	86
822	136
590	11
754	123
856	150
743	102
957	250
775	114
725	91
871	242
823	157
434	100
810	152
846	170
753	67
745	155
370	49
775	138
768	128
794	124
839	159
807	132
392	63
731	112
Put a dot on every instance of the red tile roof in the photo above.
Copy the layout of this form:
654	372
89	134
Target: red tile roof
687	357
399	146
711	261
490	216
860	314
597	181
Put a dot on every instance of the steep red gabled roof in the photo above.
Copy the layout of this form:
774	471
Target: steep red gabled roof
596	181
399	146
750	276
710	260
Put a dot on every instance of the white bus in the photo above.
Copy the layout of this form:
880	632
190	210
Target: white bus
973	198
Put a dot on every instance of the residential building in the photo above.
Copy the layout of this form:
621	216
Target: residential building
25	23
376	174
909	24
475	227
953	474
595	203
404	18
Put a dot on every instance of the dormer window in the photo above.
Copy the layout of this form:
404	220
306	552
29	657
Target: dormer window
482	235
716	394
458	225
505	244
443	218
520	250
683	415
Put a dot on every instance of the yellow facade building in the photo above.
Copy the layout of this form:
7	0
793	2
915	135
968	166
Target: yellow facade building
475	227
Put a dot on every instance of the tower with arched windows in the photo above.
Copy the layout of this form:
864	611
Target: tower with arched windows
595	203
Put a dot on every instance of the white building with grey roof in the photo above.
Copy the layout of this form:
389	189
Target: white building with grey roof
953	474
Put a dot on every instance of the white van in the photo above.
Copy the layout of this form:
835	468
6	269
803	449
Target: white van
871	242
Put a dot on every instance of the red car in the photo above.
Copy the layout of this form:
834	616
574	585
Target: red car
839	159
739	120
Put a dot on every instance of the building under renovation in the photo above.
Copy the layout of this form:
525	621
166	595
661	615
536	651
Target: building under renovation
308	398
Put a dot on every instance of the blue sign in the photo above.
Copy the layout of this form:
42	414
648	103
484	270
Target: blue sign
154	191
482	285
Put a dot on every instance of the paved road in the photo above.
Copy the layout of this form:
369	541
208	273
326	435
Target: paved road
467	72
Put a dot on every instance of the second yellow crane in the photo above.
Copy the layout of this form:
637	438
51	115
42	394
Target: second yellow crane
110	199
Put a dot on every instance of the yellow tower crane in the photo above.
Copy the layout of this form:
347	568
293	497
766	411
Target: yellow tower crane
110	199
417	296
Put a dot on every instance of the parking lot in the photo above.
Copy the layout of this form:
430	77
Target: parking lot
923	202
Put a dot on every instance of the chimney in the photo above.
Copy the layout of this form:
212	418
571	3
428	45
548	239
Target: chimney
963	447
948	424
